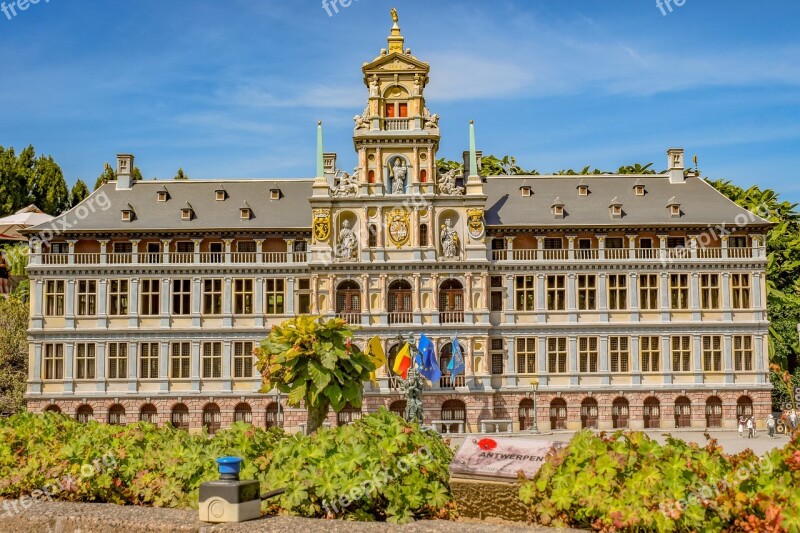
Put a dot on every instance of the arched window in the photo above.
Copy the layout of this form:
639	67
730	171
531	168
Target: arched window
744	406
423	235
714	412
274	416
620	413
373	236
423	176
451	302
243	413
52	408
448	381
212	418
589	413
84	414
683	412
371	176
526	414
652	413
558	414
398	407
347	414
148	413
180	416
348	302
400	308
456	411
116	415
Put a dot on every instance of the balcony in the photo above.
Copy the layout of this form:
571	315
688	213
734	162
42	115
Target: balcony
451	317
396	124
532	255
174	258
350	317
449	382
401	317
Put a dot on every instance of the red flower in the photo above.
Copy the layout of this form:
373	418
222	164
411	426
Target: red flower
487	444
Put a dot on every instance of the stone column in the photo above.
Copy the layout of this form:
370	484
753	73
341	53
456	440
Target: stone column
102	302
365	304
133	367
601	246
695	303
196	254
227	303
135	251
69	304
259	302
468	292
602	296
633	289
332	294
539	248
727	353
289	251
289	297
666	359
636	377
727	314
103	252
100	354
226	366
71	259
197	301
166	285
315	294
572	354
195	370
571	247
632	246
165	251
228	250
163	366
511	363
69	358
665	299
35	372
541	361
510	304
697	348
541	301
724	245
572	305
133	307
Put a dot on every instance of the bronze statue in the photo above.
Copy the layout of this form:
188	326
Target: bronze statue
412	387
394	15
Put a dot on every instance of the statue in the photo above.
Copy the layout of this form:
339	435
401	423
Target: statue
395	19
417	86
447	183
348	243
373	85
362	121
428	120
399	171
450	240
412	388
347	184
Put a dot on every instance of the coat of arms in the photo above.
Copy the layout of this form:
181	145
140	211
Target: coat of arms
322	224
475	224
399	227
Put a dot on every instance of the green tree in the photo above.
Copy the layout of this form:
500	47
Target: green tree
315	364
13	183
79	193
507	166
13	353
47	187
181	175
109	174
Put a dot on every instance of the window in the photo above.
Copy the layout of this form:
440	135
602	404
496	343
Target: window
87	297
275	296
184	248
85	361
54	298
587	292
679	291
212	359
524	191
181	360
648	292
372	236
712	353
275	194
615	243
117	360
243	296
709	291
554	243
402	108
737	242
676	242
304	296
243	359
246	247
498	357
118	297
645	243
123	248
617	292
423	234
163	196
497	293
151	297
524	293
743	353
212	296
557	355
181	296
651	353
59	248
619	353
587	354
681	353
526	355
148	360
556	293
220	195
53	361
740	287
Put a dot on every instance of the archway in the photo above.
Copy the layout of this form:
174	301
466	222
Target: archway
558	414
589	413
683	412
116	415
620	413
180	416
526	414
714	412
652	413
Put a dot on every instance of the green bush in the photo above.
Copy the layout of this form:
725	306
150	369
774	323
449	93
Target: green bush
629	482
141	464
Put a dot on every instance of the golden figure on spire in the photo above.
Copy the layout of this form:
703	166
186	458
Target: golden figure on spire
394	16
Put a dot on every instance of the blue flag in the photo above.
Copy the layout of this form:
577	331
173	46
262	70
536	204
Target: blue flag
426	359
456	365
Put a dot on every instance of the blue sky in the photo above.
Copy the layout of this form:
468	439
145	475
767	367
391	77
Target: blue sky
234	88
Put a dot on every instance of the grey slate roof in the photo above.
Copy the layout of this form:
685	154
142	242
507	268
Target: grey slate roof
700	203
292	211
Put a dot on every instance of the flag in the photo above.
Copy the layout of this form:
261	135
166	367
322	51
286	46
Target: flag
402	361
456	364
376	355
428	365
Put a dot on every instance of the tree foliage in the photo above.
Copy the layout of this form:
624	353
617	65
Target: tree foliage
26	179
109	174
315	363
13	353
79	193
47	187
181	175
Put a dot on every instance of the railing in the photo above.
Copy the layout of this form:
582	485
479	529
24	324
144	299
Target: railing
709	253
243	257
617	253
740	253
448	426
448	382
585	255
180	258
401	317
648	253
55	259
120	259
350	318
622	254
451	317
151	258
555	255
212	257
87	259
396	124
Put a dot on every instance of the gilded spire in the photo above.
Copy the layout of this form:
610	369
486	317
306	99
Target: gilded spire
396	38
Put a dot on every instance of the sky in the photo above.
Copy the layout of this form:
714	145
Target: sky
234	88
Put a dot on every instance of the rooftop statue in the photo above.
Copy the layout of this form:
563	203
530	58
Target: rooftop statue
394	15
447	184
347	185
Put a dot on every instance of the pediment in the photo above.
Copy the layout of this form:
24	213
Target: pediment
396	62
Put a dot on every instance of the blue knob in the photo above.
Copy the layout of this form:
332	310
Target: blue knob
229	465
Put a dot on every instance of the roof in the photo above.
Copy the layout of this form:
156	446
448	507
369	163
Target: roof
700	203
292	211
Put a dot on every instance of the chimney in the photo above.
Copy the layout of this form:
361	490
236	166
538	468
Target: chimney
467	164
675	165
124	171
329	162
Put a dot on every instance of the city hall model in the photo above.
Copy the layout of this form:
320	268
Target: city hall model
627	300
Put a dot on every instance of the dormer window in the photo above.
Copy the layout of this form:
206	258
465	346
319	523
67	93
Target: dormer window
275	194
638	188
245	213
128	213
674	208
187	213
221	194
558	208
525	191
583	189
615	208
163	195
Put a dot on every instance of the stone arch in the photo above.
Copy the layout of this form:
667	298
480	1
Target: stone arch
116	415
620	413
148	413
558	414
744	406
274	416
84	413
212	418
179	416
402	161
243	413
714	412
652	413
683	412
52	408
589	413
